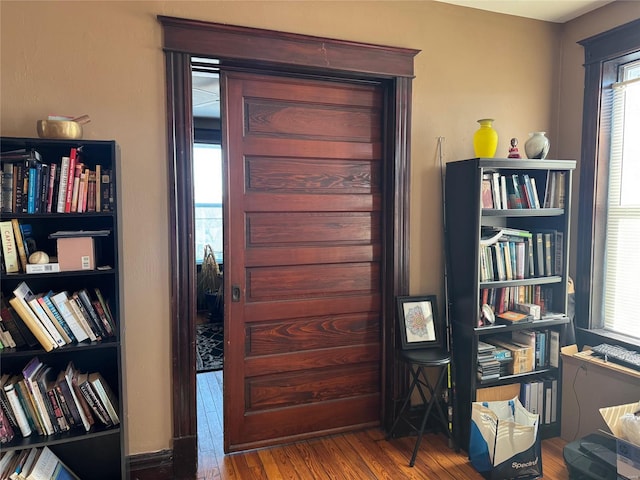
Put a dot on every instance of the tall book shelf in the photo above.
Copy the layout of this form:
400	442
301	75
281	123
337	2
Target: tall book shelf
94	450
507	223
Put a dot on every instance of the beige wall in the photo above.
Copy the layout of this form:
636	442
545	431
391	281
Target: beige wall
104	59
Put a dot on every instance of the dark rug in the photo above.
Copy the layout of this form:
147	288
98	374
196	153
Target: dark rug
209	347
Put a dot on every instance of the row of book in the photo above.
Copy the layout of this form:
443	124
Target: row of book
525	351
509	191
37	463
518	191
504	299
56	319
31	185
541	397
41	400
17	245
512	254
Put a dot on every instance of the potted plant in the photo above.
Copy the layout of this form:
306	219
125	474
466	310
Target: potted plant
210	293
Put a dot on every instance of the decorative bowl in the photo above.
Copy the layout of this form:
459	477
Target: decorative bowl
65	129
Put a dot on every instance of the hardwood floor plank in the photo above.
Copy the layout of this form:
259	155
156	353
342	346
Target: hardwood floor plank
315	464
337	461
360	455
273	468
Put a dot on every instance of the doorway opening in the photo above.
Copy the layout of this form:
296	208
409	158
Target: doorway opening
208	237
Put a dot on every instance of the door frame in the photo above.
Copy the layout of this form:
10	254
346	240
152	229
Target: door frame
266	50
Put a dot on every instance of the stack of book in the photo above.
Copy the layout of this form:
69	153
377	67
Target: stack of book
31	185
488	366
43	401
54	320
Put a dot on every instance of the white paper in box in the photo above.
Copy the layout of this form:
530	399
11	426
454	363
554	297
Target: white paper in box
627	453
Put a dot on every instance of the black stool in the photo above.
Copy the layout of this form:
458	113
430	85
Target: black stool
419	361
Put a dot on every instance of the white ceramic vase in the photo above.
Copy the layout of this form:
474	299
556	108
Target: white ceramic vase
537	146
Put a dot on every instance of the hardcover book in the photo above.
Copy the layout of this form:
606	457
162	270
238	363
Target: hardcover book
30	320
84	410
514	317
49	467
61	302
17	233
9	248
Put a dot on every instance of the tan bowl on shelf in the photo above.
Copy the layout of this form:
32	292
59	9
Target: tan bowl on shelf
66	129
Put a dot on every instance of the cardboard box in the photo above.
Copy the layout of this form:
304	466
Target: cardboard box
627	453
76	253
523	356
589	384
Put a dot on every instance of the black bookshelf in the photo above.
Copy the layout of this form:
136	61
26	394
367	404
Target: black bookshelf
98	453
465	216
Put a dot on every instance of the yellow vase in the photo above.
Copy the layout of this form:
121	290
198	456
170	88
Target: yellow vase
485	140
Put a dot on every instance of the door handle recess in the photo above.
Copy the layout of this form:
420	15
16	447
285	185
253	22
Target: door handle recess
235	293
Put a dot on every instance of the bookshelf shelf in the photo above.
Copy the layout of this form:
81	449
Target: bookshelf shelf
97	453
59	438
525	212
524	281
500	329
508	379
482	236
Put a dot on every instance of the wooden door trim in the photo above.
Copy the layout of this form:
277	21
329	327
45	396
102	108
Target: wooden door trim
300	52
297	54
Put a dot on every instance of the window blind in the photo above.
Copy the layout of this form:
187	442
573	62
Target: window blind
622	249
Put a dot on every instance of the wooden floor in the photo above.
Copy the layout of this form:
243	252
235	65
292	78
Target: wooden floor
359	456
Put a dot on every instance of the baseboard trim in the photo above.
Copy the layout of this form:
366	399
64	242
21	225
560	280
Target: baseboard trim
151	466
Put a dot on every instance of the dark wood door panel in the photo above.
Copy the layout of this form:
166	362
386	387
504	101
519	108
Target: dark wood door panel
310	386
265	256
303	148
311	175
303	228
309	91
307	281
299	422
314	122
310	333
293	361
263	311
262	202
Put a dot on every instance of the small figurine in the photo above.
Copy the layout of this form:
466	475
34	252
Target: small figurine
513	151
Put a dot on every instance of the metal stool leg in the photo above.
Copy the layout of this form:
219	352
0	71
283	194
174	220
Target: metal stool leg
413	385
435	392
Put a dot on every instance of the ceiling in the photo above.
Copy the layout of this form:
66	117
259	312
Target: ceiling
557	11
206	94
206	88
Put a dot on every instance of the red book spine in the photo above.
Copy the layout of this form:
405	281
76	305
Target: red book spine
72	168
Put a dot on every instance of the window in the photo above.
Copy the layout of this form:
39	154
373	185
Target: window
622	252
609	219
207	194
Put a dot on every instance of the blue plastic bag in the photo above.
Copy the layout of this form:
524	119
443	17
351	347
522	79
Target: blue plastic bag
504	442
